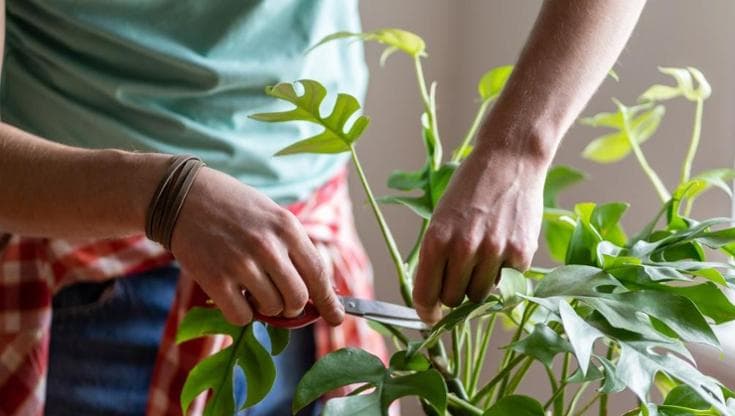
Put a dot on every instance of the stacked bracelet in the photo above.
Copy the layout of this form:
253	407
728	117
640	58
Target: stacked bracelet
166	204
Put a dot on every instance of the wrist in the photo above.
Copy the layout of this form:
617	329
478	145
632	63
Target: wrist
533	144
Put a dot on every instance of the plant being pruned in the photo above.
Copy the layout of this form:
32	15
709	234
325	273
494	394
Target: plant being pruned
618	313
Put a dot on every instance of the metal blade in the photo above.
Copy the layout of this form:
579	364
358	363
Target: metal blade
389	313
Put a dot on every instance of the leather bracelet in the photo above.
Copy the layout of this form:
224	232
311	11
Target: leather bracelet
165	206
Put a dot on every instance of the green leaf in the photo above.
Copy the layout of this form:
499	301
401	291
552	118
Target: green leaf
615	146
606	219
660	92
279	339
215	372
516	405
493	81
420	205
612	383
684	396
512	284
336	137
542	344
407	181
349	366
394	39
582	244
439	180
684	78
558	178
709	299
581	335
416	362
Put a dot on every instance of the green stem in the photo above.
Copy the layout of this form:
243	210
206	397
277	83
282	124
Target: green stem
466	371
589	404
509	353
403	280
518	376
430	110
465	407
557	389
456	346
577	396
413	255
480	353
686	168
603	399
490	386
559	402
663	193
462	149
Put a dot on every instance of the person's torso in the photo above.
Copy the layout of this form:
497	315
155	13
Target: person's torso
178	76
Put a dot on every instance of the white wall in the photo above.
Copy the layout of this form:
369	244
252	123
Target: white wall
467	37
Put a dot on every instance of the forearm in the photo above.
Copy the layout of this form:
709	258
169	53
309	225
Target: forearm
572	47
51	190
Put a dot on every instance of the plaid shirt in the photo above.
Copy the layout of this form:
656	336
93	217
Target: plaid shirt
33	269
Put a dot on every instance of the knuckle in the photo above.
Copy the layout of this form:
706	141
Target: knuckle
296	299
271	309
452	300
463	245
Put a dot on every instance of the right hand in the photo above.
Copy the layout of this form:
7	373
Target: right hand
233	239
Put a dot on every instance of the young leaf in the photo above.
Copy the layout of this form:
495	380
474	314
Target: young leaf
558	178
394	39
215	372
684	78
336	137
349	366
516	405
493	81
512	285
615	146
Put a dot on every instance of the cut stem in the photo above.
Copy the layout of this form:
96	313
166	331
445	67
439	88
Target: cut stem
390	242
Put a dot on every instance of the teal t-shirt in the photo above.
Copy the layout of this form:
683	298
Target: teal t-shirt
179	76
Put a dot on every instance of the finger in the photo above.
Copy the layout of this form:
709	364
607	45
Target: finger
483	278
230	300
288	282
267	298
456	278
309	263
519	256
428	284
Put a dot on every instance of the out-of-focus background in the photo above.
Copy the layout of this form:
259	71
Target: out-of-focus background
467	37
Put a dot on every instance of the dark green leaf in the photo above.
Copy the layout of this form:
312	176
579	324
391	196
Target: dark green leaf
558	178
581	335
684	396
428	385
516	406
420	205
606	219
279	339
416	362
542	344
358	405
582	245
439	180
407	181
709	299
612	383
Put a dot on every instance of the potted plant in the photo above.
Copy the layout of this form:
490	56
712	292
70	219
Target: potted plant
617	313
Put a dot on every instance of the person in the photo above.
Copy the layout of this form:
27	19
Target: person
97	96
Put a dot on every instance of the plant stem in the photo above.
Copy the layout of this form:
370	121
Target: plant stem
456	347
663	193
462	149
466	371
509	353
403	280
686	168
577	396
603	399
490	386
467	408
480	352
518	376
430	110
557	391
589	404
413	255
559	402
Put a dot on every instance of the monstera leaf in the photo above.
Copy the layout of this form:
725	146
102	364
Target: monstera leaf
351	366
216	372
336	137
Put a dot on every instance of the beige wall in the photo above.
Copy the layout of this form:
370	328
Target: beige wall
465	38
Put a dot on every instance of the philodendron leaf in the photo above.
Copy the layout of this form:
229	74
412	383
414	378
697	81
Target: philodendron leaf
615	146
606	219
350	366
408	181
516	405
558	178
582	335
395	40
420	205
684	78
336	137
216	372
543	344
493	82
684	396
512	286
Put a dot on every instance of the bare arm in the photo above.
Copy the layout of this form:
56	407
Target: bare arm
490	216
229	237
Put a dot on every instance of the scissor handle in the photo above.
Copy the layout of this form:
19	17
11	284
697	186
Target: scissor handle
308	316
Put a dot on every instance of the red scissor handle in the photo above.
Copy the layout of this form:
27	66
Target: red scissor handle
308	316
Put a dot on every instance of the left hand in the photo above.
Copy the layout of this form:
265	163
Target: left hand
489	218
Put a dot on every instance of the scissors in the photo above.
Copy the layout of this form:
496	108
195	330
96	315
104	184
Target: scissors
383	312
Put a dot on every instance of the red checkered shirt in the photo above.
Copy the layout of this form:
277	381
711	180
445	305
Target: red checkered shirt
33	269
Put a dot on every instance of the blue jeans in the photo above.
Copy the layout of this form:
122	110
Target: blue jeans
104	341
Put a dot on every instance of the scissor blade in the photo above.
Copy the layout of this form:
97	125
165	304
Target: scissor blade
383	312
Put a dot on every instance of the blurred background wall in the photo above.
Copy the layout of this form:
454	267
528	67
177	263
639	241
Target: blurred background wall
467	37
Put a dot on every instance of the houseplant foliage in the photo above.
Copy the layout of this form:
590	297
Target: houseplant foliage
618	312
